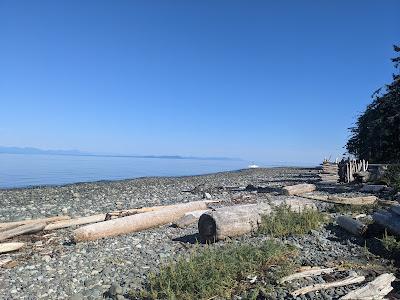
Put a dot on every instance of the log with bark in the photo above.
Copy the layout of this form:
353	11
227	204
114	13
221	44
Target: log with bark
353	226
20	230
306	272
231	221
388	219
298	189
189	218
137	222
376	289
101	217
321	286
10	225
9	247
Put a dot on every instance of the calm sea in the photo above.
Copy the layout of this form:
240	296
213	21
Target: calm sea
21	170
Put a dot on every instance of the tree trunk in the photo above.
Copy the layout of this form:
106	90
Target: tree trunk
101	217
136	222
353	226
299	189
388	219
9	225
9	247
189	218
376	289
231	221
23	229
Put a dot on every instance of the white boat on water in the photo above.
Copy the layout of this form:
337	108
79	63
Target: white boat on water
253	166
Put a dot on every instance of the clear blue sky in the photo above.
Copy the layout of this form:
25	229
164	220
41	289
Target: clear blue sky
260	80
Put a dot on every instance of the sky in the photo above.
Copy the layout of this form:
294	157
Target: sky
270	81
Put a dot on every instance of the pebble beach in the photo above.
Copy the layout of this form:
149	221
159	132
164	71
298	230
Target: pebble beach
51	266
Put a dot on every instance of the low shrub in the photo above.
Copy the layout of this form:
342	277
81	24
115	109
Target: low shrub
218	271
286	222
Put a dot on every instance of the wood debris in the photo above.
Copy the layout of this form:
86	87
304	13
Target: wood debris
306	272
376	289
298	189
351	225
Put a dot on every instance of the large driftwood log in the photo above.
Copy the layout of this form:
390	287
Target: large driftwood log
136	222
373	188
298	189
9	247
101	217
321	286
365	200
353	226
190	218
376	289
306	272
23	229
10	225
388	219
396	209
231	221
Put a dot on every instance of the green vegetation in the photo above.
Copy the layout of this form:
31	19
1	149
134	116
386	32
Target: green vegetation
218	272
392	176
390	243
376	135
285	222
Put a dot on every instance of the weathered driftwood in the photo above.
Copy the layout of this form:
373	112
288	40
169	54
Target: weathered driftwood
365	200
321	286
298	189
101	217
396	209
353	226
9	247
306	272
4	261
231	221
388	219
23	229
372	188
376	289
9	225
189	218
298	205
136	222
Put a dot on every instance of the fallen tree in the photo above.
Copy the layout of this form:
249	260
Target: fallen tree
231	221
137	222
364	200
189	218
9	247
20	230
388	219
376	289
353	226
101	217
9	225
298	189
321	286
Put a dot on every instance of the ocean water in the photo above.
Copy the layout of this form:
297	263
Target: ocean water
22	170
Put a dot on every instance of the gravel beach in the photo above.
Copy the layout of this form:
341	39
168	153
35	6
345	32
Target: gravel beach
52	267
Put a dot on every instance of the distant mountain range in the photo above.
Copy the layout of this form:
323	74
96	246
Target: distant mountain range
31	150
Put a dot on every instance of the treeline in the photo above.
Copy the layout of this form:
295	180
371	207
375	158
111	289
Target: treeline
376	134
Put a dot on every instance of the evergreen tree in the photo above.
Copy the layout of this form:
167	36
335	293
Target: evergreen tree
376	134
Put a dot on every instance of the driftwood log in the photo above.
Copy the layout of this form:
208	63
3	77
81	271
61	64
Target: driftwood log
9	247
20	230
298	189
136	222
376	289
5	261
306	272
190	218
373	188
321	286
231	221
365	200
353	226
388	219
396	209
10	225
101	217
